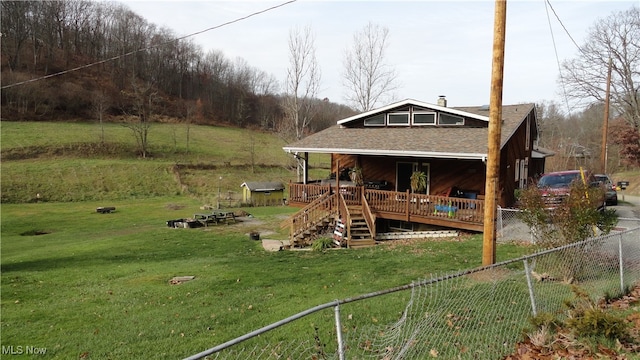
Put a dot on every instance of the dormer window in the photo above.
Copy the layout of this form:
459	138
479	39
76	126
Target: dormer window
424	118
376	120
398	118
417	117
448	119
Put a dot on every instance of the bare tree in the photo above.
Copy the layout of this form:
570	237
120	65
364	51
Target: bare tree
142	97
614	39
367	78
100	102
14	26
303	81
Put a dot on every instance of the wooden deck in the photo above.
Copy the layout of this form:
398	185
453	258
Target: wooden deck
457	213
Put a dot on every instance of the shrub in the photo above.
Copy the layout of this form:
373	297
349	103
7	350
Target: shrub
586	319
321	244
576	218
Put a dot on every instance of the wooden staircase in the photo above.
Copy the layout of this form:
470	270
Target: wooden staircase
312	230
359	235
320	216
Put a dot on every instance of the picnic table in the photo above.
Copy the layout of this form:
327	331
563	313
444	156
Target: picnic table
216	217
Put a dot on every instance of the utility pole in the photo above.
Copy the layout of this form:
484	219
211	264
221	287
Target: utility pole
495	127
605	124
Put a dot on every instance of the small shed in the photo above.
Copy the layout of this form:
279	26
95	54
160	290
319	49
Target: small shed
262	193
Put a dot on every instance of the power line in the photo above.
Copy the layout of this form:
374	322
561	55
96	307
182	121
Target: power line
555	49
150	47
563	27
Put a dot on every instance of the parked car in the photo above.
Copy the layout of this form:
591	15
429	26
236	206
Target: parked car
611	193
556	186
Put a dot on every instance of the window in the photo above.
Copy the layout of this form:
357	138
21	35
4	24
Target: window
448	119
376	120
524	172
398	118
424	118
528	135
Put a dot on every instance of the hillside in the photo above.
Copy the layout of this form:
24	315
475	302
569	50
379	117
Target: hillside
68	162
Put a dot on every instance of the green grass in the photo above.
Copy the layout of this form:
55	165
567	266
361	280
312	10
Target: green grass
96	286
99	283
65	162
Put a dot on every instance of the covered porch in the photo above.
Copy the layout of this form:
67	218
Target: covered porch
446	211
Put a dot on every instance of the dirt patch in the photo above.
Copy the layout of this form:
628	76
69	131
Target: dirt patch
174	206
275	245
181	279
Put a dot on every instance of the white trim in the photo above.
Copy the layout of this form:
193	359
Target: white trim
535	154
432	154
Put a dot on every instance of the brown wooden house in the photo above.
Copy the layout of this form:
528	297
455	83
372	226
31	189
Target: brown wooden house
387	145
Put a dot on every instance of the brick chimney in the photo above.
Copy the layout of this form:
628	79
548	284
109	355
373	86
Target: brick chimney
442	101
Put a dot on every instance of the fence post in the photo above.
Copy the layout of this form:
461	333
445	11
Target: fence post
532	296
339	333
499	224
621	262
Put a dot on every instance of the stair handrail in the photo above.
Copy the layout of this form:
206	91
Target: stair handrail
311	214
343	212
287	222
369	217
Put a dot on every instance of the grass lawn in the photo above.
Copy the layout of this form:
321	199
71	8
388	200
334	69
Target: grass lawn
89	285
82	285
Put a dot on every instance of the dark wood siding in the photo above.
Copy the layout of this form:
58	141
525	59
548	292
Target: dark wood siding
515	149
466	175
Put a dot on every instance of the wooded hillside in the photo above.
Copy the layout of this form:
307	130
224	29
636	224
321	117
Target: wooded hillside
103	60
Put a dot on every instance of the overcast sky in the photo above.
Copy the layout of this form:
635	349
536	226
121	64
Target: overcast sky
436	47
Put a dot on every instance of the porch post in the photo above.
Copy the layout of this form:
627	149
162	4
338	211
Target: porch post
305	169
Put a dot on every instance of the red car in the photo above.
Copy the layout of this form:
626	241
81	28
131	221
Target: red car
556	186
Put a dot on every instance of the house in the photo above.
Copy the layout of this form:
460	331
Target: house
387	145
262	193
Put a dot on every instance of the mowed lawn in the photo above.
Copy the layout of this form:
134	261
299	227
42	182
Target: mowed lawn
76	284
86	285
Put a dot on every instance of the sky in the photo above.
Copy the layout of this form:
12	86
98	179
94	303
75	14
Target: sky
436	47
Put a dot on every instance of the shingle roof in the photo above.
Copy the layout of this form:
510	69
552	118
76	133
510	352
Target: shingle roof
423	141
263	185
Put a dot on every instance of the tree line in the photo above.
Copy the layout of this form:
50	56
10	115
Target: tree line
144	73
140	70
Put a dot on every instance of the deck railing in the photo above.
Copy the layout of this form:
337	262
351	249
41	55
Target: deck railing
369	217
346	217
408	206
313	213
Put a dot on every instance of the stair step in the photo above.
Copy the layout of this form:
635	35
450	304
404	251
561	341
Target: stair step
355	244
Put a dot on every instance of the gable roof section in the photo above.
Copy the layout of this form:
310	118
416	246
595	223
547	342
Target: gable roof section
422	141
262	186
415	103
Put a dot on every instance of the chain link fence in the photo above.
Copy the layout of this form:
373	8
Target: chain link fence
474	314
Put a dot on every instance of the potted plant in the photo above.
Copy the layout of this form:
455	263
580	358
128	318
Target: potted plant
418	182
